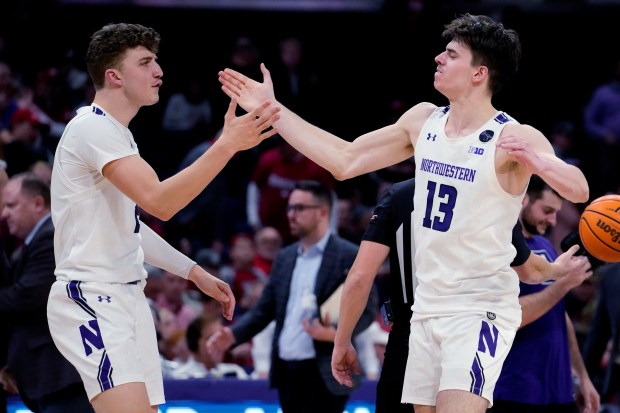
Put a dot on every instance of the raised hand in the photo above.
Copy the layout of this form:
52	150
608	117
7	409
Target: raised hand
247	131
248	92
572	269
521	150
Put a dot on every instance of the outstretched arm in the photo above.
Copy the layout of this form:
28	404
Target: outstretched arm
357	287
162	199
344	159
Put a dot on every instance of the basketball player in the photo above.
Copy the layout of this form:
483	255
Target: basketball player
473	163
389	232
98	315
537	376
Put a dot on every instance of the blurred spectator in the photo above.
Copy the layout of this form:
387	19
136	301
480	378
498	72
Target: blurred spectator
46	381
42	169
186	119
601	352
274	178
268	242
176	299
200	362
240	273
562	138
366	352
23	142
8	90
602	125
298	82
210	260
155	282
200	223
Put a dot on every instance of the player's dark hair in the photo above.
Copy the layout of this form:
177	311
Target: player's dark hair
108	46
492	45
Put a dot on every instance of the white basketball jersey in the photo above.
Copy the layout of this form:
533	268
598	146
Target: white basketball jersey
463	223
96	226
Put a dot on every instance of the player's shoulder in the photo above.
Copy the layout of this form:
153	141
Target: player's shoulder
522	129
421	111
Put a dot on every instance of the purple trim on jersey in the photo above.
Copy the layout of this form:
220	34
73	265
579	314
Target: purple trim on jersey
502	118
477	376
104	376
75	293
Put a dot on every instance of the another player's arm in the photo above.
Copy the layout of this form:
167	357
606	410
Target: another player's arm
137	179
344	159
530	149
369	152
357	288
571	272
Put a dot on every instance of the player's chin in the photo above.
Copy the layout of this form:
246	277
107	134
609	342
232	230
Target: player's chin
154	97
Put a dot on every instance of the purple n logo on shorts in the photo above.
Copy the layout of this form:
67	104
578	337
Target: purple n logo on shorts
92	335
488	338
486	341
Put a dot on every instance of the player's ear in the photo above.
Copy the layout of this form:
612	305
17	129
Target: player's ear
113	76
481	73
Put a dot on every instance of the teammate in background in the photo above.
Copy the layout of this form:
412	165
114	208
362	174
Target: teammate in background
537	376
473	164
98	315
389	232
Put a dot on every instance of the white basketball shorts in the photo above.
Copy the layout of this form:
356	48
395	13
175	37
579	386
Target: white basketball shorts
459	352
107	332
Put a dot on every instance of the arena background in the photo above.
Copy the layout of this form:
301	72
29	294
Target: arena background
368	56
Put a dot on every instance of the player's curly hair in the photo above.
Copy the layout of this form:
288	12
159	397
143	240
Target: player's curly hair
108	46
491	44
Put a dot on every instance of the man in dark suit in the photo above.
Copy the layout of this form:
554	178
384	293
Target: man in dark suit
46	382
303	273
605	330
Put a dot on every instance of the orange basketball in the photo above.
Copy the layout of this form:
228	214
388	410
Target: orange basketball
599	228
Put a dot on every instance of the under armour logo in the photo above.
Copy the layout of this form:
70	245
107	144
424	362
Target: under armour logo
106	298
429	137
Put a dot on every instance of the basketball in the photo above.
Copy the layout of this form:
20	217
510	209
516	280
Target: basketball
599	228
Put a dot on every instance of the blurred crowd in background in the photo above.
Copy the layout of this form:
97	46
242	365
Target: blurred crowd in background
348	72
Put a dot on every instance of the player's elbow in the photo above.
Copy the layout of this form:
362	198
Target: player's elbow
577	191
159	210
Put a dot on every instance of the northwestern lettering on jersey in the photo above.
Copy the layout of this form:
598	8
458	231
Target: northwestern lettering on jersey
447	170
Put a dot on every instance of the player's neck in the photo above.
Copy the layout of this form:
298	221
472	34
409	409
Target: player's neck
467	118
116	106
